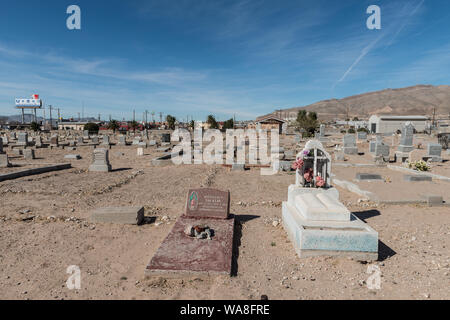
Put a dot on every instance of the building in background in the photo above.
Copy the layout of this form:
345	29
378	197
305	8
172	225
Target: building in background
391	124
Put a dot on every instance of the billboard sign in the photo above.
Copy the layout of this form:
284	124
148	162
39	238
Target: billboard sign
28	103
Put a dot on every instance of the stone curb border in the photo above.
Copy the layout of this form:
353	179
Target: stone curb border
436	176
30	172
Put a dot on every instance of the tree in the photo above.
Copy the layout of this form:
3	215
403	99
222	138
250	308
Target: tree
113	125
91	127
35	126
211	120
229	124
171	121
307	122
192	124
134	125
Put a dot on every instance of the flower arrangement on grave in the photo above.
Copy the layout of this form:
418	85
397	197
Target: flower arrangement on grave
419	165
308	173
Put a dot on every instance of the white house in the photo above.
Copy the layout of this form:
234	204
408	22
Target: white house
391	124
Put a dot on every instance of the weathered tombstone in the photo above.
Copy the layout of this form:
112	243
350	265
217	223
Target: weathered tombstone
12	135
122	140
372	146
100	161
95	140
152	143
315	220
22	139
362	135
105	141
140	152
406	140
28	154
5	140
285	166
201	240
4	163
137	140
350	144
339	156
434	152
165	137
86	134
54	141
322	131
382	151
38	142
80	141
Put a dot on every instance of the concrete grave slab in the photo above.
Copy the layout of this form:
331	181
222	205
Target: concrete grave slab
29	172
72	156
367	176
180	253
352	238
416	178
122	215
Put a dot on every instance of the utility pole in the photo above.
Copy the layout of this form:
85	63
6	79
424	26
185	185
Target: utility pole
79	117
160	117
82	110
51	125
153	116
134	115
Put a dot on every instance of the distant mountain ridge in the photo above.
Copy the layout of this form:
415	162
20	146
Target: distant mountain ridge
416	100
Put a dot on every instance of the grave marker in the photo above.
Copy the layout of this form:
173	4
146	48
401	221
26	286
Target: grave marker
100	161
350	144
208	203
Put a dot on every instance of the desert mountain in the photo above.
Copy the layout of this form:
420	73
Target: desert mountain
417	100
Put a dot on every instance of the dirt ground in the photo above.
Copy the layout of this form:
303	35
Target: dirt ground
44	228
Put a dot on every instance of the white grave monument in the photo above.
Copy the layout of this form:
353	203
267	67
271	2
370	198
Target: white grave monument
315	220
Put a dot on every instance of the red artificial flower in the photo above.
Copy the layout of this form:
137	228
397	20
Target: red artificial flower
297	164
320	182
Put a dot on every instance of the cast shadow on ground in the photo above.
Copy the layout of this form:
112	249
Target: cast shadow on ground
149	220
363	215
120	169
239	221
384	252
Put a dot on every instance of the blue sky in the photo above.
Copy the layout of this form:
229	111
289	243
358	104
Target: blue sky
200	57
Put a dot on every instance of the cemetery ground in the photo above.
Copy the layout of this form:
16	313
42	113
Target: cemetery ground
44	228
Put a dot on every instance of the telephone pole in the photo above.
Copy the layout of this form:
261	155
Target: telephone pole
51	122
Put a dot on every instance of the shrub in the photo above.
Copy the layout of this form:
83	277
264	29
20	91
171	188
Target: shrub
35	126
92	127
351	130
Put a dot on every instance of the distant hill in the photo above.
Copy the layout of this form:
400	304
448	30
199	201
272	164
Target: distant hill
417	100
